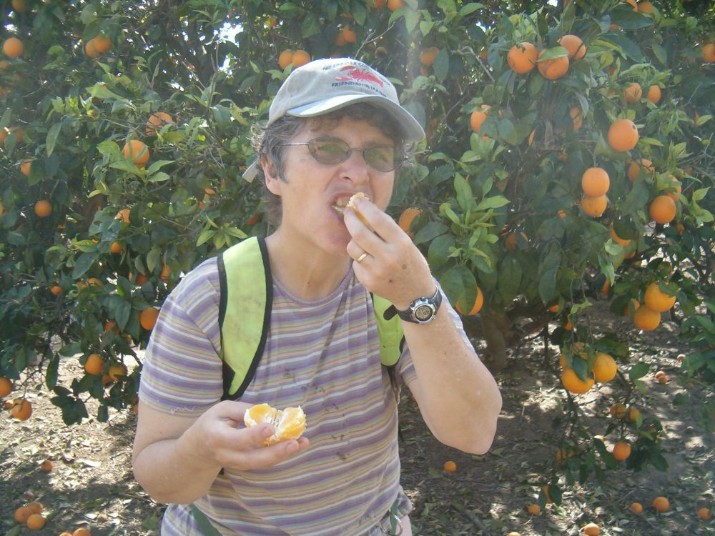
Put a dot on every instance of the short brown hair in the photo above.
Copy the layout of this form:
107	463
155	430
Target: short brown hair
267	141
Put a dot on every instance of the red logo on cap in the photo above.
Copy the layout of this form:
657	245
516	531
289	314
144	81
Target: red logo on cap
356	73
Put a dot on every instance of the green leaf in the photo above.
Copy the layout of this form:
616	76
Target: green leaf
638	370
460	286
83	264
52	135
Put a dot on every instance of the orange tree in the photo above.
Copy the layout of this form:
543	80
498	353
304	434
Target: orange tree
567	158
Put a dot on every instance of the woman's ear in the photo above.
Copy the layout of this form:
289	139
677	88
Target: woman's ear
273	182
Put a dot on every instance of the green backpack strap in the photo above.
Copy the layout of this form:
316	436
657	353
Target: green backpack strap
389	328
244	318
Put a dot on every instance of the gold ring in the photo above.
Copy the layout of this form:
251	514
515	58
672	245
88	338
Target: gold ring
361	257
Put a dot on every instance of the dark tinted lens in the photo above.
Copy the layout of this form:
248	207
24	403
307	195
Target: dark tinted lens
329	151
382	158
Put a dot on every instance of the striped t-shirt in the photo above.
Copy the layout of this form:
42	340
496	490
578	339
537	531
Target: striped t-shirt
321	355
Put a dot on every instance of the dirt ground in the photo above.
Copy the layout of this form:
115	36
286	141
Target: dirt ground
91	483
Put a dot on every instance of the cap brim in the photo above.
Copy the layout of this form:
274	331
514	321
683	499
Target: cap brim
411	128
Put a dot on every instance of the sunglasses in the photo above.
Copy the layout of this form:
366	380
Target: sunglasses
331	151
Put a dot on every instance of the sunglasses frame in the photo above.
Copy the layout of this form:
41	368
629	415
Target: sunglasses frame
397	162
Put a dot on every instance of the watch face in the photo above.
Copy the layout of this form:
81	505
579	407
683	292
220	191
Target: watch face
424	312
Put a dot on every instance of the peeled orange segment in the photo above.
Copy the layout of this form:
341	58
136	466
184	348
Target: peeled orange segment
351	204
288	423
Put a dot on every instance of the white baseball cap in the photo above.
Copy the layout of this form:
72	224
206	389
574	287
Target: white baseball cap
325	85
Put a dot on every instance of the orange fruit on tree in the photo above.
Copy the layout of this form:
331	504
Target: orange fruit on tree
636	508
449	467
147	318
22	410
300	57
633	92
19	5
533	509
573	383
407	217
102	43
522	58
594	206
595	182
658	300
156	121
604	368
56	290
394	5
478	303
90	51
623	135
645	7
94	365
661	504
26	167
635	168
633	414
621	450
646	318
662	209
21	514
288	423
654	94
618	410
43	208
115	247
35	521
35	507
591	529
81	531
708	52
574	45
285	58
477	117
617	239
704	513
428	55
6	386
554	68
13	47
137	152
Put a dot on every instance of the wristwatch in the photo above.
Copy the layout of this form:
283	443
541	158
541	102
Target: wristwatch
422	310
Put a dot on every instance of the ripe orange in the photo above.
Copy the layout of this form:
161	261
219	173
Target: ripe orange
617	239
82	531
553	69
26	167
573	383
595	182
591	529
522	57
635	168
156	121
43	208
704	513
661	504
102	43
116	247
604	368
478	117
534	509
394	5
94	364
645	7
137	152
623	135
618	411
288	423
90	51
22	410
636	508
450	467
35	507
633	414
662	209
478	303
36	522
658	300
708	52
621	450
6	386
300	57
56	290
13	47
407	218
21	514
646	318
633	92
19	5
574	45
147	318
428	55
654	94
123	215
285	58
594	206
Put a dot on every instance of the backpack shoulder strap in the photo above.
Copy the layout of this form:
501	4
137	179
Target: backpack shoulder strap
389	328
245	275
